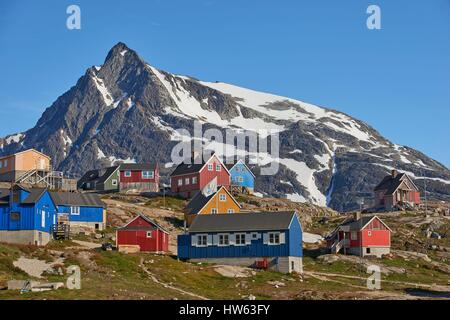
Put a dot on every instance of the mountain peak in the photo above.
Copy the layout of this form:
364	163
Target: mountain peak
120	49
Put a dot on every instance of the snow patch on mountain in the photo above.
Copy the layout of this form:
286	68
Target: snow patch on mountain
107	97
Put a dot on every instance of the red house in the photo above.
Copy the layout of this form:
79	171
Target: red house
361	236
396	189
187	179
142	177
144	233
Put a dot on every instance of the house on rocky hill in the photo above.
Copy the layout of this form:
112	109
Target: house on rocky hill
189	178
220	201
242	178
361	236
103	180
139	177
396	189
268	240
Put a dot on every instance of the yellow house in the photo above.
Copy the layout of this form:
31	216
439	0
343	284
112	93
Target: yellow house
15	165
219	202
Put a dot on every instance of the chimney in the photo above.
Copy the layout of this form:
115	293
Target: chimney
357	215
394	173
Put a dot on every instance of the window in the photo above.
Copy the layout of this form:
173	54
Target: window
15	216
186	181
75	211
369	233
202	240
218	167
214	211
254	235
194	180
353	235
1	164
292	266
239	179
5	163
127	174
180	182
149	234
240	239
223	197
368	250
210	167
274	238
114	182
147	174
230	210
224	239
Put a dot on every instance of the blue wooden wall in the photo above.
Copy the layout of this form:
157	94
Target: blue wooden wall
241	170
87	214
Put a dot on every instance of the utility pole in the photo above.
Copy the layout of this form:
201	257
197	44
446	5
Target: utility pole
425	194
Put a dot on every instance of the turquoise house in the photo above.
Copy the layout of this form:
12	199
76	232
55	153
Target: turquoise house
242	178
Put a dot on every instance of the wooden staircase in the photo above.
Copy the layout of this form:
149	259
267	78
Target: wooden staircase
61	231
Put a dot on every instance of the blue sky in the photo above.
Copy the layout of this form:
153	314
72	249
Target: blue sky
397	79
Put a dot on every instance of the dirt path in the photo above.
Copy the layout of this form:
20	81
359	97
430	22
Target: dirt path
165	285
85	244
413	284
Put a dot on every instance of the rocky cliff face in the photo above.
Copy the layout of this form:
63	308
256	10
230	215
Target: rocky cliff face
127	110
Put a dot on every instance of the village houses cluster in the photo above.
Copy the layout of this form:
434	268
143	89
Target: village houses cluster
38	204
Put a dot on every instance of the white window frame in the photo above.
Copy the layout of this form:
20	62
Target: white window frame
369	233
194	180
272	237
239	179
222	197
147	174
127	174
180	182
210	167
199	242
254	235
5	163
230	211
214	211
237	236
222	236
186	181
149	234
114	182
75	211
218	167
43	218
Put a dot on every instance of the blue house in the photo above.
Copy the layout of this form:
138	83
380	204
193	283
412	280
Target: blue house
26	215
242	178
268	240
82	210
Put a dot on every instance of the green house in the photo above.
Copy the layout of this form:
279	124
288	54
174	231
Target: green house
105	180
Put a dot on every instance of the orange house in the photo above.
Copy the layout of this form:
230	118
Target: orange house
219	202
14	166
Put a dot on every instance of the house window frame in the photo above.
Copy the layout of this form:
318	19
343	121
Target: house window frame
214	211
149	234
230	211
199	242
274	239
239	236
222	237
222	197
239	179
210	167
180	182
75	210
218	167
115	182
5	163
369	233
187	181
194	180
127	173
148	174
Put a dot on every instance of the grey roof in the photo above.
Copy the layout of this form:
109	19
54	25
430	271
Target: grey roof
235	222
137	166
390	183
184	168
198	202
34	196
76	199
357	224
97	175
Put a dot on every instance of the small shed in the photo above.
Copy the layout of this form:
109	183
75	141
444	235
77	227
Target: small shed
144	233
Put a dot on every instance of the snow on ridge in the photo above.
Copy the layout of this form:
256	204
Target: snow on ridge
122	53
14	138
411	174
112	159
107	97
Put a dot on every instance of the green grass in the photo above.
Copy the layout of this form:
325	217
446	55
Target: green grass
176	204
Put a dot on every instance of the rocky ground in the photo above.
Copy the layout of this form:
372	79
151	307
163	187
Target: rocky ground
418	267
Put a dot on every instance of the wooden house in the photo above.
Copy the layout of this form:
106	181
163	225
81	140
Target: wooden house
103	180
361	236
396	189
242	178
139	177
218	202
26	215
144	234
188	178
267	240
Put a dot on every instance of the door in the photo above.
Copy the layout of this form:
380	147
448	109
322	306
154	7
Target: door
43	218
40	239
41	164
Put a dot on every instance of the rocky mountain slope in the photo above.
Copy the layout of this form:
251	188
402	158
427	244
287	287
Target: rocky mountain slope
127	110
